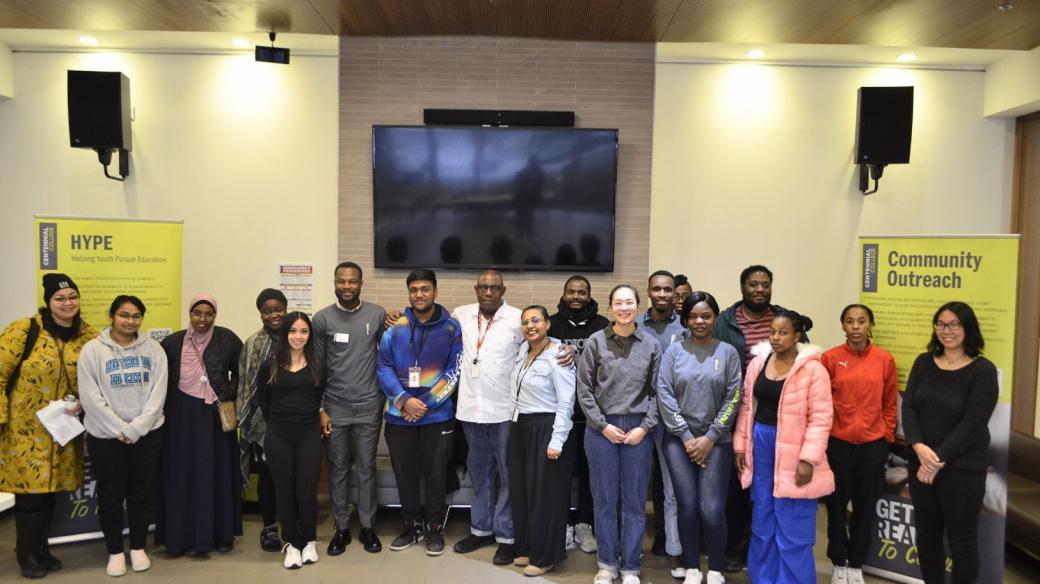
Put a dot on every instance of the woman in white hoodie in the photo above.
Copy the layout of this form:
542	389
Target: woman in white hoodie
122	380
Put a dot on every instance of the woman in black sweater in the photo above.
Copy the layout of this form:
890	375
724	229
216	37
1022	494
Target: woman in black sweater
950	395
288	389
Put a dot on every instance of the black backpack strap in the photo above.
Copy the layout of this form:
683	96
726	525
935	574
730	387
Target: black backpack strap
30	341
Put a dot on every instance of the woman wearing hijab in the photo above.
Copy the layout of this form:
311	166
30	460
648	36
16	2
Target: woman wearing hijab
199	500
38	357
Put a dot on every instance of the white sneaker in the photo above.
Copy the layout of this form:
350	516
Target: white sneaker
839	575
855	576
585	538
309	555
630	579
139	560
568	542
693	576
604	576
116	564
716	577
293	559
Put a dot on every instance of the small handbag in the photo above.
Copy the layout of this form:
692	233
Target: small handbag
228	415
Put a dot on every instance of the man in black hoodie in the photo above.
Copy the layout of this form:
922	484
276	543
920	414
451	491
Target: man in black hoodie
576	319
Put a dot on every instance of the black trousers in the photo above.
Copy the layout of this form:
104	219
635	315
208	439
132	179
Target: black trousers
32	519
738	520
294	455
265	491
420	453
539	490
576	442
950	505
859	478
126	473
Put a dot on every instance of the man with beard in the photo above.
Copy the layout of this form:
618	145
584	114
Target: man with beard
744	325
577	317
346	336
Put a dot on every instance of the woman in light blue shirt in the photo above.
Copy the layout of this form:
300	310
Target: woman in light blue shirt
539	464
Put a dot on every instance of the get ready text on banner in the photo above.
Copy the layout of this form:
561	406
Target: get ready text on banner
905	280
106	258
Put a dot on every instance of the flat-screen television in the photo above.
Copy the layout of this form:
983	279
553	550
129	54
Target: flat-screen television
512	198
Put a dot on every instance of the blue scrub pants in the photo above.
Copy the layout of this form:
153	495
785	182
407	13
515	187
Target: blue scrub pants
783	531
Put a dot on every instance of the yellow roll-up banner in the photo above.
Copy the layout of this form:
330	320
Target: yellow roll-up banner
904	280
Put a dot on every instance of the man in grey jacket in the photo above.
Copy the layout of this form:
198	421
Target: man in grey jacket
346	336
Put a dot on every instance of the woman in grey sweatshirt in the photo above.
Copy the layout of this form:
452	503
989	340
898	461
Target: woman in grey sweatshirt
122	381
616	373
698	394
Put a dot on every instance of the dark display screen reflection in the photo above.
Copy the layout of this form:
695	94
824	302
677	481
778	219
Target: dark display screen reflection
514	198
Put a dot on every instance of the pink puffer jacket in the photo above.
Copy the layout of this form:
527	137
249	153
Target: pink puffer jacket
803	424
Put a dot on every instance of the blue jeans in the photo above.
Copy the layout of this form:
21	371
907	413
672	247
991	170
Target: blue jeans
619	471
700	494
488	452
783	531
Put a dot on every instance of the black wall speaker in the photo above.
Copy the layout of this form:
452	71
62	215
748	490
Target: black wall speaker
886	115
99	110
462	117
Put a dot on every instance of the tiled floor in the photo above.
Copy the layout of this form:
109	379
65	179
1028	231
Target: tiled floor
247	563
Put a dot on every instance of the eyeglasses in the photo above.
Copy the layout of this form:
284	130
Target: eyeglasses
270	312
950	326
535	320
203	315
128	316
482	288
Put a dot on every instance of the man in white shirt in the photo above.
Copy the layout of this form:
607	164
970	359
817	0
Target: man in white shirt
491	339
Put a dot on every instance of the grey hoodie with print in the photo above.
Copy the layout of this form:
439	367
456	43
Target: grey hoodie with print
122	389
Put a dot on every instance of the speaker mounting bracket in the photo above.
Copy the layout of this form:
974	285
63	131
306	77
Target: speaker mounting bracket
867	172
105	158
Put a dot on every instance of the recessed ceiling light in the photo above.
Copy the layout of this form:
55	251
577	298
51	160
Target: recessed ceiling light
1005	7
89	40
907	57
756	53
242	43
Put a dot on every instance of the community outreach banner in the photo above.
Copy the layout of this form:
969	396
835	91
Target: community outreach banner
904	280
108	257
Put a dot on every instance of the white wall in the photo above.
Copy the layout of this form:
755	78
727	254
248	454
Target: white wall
1013	85
753	164
244	153
6	72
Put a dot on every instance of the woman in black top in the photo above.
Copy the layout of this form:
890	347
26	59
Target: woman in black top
950	395
288	389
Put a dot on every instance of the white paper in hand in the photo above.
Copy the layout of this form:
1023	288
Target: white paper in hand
61	426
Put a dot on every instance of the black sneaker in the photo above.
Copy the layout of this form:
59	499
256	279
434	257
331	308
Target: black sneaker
370	541
269	541
340	541
657	548
435	540
505	554
411	535
472	543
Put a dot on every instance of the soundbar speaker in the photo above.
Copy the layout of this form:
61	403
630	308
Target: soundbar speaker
463	117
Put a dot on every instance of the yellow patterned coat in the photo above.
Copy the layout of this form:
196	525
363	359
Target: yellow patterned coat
30	461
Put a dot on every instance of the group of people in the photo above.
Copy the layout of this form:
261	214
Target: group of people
739	422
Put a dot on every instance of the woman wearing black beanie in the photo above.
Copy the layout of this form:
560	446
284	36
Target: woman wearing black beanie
38	357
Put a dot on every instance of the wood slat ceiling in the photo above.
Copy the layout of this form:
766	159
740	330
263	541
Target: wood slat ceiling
912	23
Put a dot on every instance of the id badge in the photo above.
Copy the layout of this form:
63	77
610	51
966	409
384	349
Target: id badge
342	338
516	413
474	371
414	373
